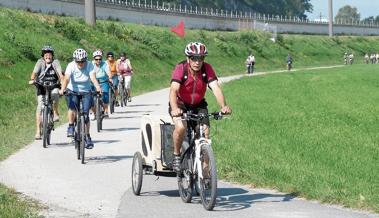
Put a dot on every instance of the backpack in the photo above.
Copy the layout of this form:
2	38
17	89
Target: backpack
185	73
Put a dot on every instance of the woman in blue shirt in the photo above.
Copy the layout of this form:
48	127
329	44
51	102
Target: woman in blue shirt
102	75
78	76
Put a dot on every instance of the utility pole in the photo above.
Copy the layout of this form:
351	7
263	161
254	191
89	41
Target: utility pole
330	18
90	12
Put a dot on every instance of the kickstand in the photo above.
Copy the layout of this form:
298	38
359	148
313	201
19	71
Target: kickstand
157	178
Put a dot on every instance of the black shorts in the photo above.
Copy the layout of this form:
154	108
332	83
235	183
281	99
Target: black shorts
201	108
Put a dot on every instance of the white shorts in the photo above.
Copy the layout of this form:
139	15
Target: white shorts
40	99
127	80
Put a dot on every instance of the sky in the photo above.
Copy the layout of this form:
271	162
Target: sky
366	8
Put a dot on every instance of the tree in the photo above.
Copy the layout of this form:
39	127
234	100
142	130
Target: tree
347	14
371	19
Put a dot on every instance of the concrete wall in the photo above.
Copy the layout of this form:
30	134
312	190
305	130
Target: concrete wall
170	17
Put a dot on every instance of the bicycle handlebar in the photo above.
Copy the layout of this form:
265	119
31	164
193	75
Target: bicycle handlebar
69	92
46	84
189	115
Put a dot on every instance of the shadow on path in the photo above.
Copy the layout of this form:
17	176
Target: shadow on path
230	199
130	112
106	159
123	117
119	129
105	141
141	105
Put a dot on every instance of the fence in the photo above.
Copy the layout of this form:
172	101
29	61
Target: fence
173	8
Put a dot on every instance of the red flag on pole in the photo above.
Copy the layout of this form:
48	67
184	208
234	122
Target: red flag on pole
179	29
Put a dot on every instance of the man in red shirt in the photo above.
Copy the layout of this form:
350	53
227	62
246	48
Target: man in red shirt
189	82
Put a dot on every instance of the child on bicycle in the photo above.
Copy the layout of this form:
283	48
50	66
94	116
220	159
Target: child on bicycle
189	82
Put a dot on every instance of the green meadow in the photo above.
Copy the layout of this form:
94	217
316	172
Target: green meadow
286	124
313	133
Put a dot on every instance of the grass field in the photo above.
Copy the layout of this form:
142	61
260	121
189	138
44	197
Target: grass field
312	133
153	51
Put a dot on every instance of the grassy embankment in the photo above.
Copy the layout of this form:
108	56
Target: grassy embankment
312	133
153	52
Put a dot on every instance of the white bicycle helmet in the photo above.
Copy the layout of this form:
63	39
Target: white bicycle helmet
80	55
97	53
195	49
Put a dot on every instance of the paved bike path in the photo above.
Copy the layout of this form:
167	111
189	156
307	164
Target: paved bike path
102	186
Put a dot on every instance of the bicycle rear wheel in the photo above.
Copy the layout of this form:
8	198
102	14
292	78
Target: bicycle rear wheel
185	181
208	184
82	139
45	124
98	113
137	173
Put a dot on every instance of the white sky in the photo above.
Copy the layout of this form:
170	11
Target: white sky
366	8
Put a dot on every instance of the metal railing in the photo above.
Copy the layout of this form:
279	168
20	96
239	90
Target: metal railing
232	14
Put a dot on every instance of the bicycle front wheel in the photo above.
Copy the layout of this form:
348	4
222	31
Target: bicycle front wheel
45	121
185	181
137	173
208	183
82	139
98	114
50	128
112	100
122	95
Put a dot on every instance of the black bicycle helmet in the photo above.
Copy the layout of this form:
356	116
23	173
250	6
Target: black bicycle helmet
110	54
47	49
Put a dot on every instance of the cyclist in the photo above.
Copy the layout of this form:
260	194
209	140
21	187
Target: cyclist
345	56
46	69
289	62
125	70
250	62
189	81
351	58
113	69
103	74
78	76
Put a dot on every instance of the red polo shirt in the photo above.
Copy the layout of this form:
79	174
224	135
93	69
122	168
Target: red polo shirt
192	90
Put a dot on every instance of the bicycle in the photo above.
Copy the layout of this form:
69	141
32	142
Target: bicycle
47	112
289	65
123	92
79	134
99	111
198	164
112	97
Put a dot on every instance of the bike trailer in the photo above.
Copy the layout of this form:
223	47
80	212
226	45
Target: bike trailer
157	145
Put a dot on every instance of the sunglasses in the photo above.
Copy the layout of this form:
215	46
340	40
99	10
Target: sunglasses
80	62
197	58
97	59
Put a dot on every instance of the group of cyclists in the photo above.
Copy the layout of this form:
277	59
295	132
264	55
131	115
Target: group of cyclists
373	58
81	76
348	58
189	81
250	62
